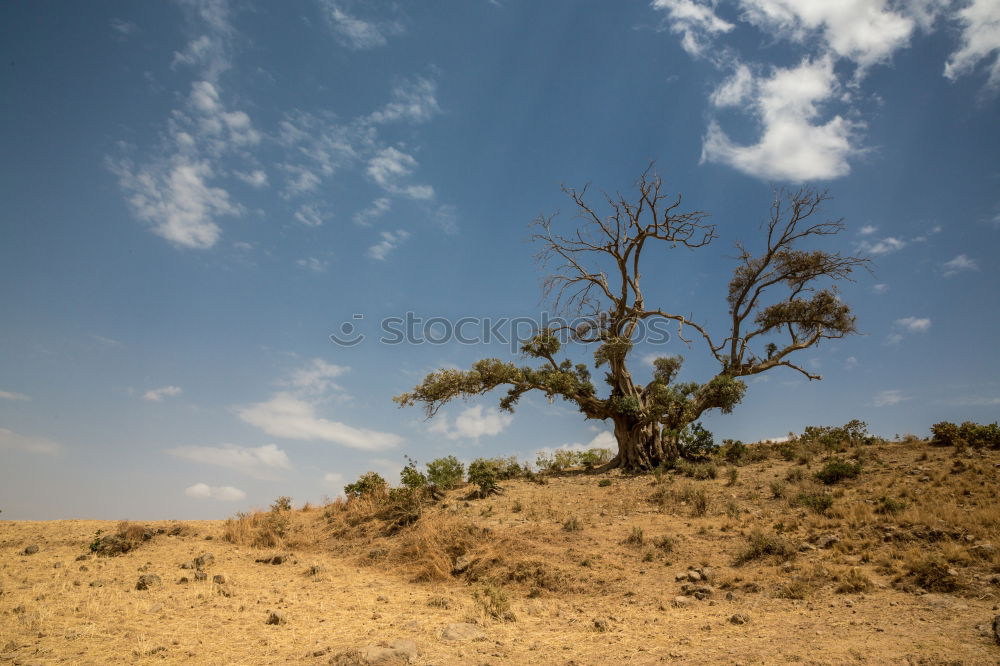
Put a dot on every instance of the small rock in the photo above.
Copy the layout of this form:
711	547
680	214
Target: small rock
601	625
30	550
226	591
183	580
740	618
187	565
952	572
200	575
276	617
405	650
314	570
461	564
147	581
156	608
84	567
97	583
729	596
220	579
462	631
82	558
382	599
279	558
204	560
57	565
828	541
681	602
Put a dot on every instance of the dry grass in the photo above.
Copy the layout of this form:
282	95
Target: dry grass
818	585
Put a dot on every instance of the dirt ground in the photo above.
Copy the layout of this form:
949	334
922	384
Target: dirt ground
582	571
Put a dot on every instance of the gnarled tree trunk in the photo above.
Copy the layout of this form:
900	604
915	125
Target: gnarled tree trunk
641	446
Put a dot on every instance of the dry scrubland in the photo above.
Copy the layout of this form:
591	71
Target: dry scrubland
900	564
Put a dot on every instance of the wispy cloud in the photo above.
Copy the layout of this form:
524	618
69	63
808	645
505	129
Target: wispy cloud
696	23
867	230
294	413
888	398
157	395
914	324
11	395
122	27
12	441
390	241
261	462
377	209
221	493
471	423
980	42
312	264
959	264
354	32
882	246
389	167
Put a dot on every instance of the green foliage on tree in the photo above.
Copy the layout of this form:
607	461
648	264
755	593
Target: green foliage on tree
781	299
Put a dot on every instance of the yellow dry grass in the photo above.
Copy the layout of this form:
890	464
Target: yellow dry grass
603	592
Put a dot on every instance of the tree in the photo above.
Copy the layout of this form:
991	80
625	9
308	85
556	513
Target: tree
777	303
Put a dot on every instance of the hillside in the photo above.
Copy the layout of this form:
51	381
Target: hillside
764	564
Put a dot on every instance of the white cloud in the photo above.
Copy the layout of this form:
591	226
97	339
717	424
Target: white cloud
794	144
312	264
300	179
472	423
260	462
959	264
389	166
377	209
309	215
867	230
605	439
864	31
893	338
291	417
157	395
334	479
850	363
314	379
735	90
980	41
880	288
221	493
390	241
415	101
914	324
356	33
256	178
11	440
883	246
177	199
889	398
695	21
123	27
10	395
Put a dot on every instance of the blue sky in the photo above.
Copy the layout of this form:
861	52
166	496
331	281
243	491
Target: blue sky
197	194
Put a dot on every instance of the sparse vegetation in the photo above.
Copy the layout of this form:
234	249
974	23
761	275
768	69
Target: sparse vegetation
836	470
760	545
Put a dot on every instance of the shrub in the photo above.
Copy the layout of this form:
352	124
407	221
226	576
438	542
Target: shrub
889	506
944	433
445	473
777	489
403	506
795	475
635	538
283	503
818	502
760	545
697	470
980	436
370	484
932	574
854	582
604	483
592	458
734	451
411	477
494	603
697	498
695	442
483	473
837	470
732	476
571	525
664	543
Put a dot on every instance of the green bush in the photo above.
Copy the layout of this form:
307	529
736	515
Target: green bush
837	470
818	502
695	442
483	473
889	506
734	451
369	484
760	545
445	473
604	483
283	503
411	477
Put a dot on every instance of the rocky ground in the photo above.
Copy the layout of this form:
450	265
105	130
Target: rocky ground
898	565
